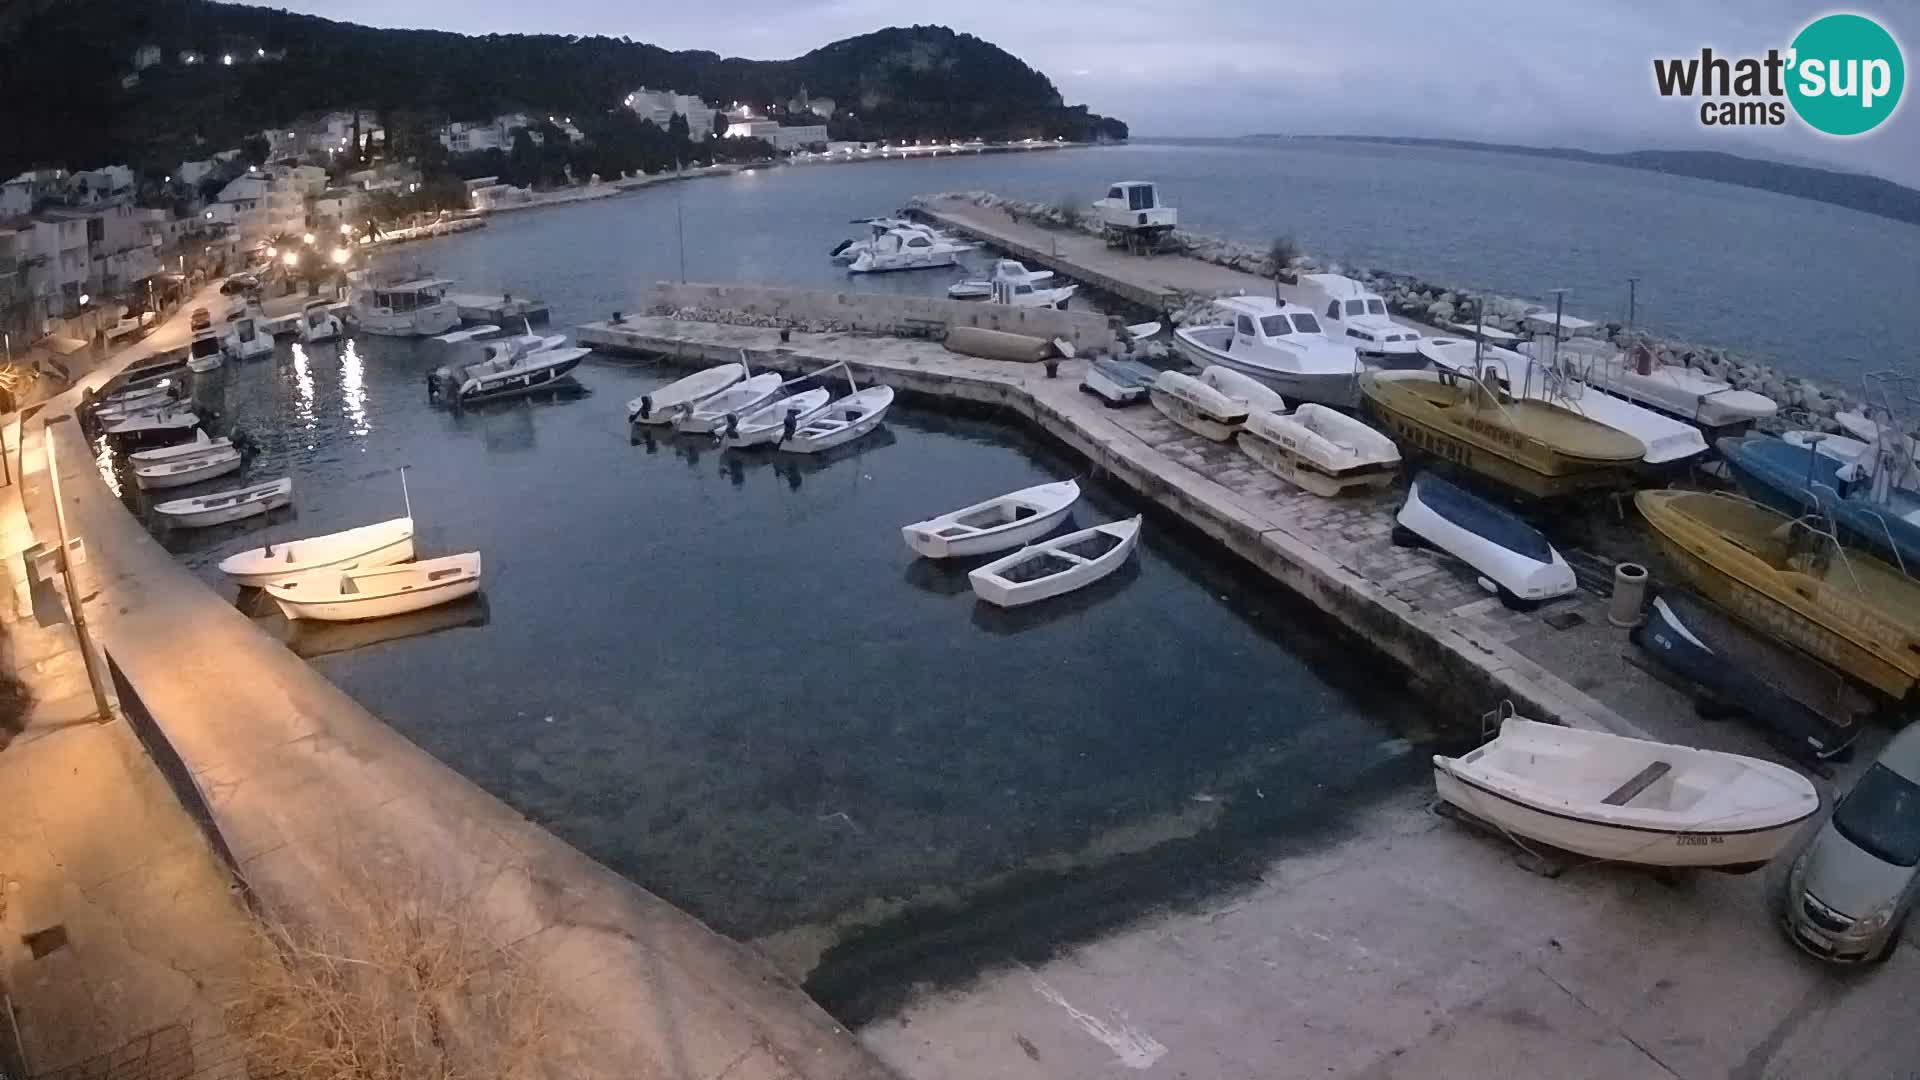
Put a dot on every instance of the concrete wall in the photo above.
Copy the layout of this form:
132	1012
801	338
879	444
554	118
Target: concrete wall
883	314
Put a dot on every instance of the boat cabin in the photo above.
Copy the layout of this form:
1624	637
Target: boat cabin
406	296
1348	310
897	241
1135	204
1262	324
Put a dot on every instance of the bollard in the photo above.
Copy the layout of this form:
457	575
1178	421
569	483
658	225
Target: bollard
1053	367
1629	594
616	319
786	335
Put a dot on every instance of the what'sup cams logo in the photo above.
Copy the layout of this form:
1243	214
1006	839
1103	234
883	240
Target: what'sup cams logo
1842	76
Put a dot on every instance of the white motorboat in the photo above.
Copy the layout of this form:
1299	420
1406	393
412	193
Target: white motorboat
224	506
109	413
245	340
134	400
1251	392
369	592
771	422
702	417
508	367
380	544
1282	345
843	421
418	307
1840	448
1320	450
905	249
1677	391
1903	456
849	250
1350	313
318	323
161	426
1020	294
1197	407
1628	800
659	406
200	445
995	525
1118	381
1522	567
1007	270
466	334
205	354
1059	565
188	469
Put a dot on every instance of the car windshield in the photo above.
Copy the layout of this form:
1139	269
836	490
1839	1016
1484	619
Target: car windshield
1306	324
1376	307
1274	325
1881	815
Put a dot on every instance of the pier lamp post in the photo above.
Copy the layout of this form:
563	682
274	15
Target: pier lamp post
64	557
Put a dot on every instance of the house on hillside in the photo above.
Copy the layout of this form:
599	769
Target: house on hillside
261	205
30	189
146	56
660	106
100	185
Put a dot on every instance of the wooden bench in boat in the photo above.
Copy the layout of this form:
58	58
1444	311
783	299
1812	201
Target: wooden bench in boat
1640	782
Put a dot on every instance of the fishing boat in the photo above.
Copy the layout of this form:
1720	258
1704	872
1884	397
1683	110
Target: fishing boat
1196	406
1251	392
1118	381
843	421
1867	510
187	469
415	307
165	425
905	249
245	340
1007	270
205	353
1320	450
1357	316
703	416
224	506
507	368
1610	797
109	413
1279	344
659	406
1681	392
370	592
1787	579
318	323
774	421
849	250
1059	565
994	525
1785	692
1534	447
1516	558
382	543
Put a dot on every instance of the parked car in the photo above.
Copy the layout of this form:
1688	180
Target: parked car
239	283
1851	890
200	319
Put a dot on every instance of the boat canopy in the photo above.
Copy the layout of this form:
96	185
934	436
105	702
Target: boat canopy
1482	518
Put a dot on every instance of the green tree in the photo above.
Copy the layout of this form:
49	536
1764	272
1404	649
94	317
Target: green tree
256	149
719	123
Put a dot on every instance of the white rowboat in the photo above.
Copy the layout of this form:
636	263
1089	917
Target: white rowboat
842	422
1251	392
1321	450
380	544
995	525
1629	800
741	397
376	592
200	445
187	469
1060	565
658	406
1197	407
224	506
768	422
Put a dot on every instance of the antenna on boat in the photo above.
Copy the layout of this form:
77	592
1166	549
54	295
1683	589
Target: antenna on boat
404	494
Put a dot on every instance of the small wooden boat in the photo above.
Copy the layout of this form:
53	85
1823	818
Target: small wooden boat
376	592
709	413
1516	557
1323	451
772	421
136	399
1118	382
1060	565
1197	407
200	445
186	469
224	506
381	544
843	421
660	405
1251	392
164	426
1629	800
1838	604
995	525
1534	447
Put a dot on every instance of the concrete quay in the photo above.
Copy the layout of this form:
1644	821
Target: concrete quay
499	310
1453	639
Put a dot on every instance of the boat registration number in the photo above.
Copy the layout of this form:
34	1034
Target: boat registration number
1697	840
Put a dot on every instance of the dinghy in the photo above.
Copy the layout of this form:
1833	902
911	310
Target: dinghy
187	469
842	422
380	544
1516	557
200	445
773	421
376	592
658	406
224	506
1060	565
711	412
995	525
1118	381
1252	393
460	337
164	426
1197	407
1628	800
1321	450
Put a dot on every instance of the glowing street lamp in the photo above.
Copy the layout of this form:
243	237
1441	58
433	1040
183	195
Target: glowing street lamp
340	256
291	258
227	59
273	253
309	239
346	229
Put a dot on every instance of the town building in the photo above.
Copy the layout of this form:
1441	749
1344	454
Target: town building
801	104
660	106
784	139
263	204
23	193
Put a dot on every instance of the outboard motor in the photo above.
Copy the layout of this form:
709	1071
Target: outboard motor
840	248
732	428
433	387
788	426
646	406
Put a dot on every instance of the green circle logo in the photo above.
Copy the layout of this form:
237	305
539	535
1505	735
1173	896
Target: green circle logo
1847	74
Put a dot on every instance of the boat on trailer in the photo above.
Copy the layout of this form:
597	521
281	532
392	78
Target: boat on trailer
1515	557
1056	566
1196	406
376	592
997	524
1320	450
225	506
659	406
1619	799
843	421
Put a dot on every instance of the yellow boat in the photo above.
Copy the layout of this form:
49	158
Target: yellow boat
1534	447
1840	605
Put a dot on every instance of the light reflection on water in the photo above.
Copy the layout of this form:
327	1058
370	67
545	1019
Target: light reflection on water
353	390
303	385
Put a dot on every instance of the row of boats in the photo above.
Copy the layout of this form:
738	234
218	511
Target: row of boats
741	409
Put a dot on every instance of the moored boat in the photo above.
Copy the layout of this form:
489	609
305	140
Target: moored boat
842	422
382	543
508	368
165	425
318	323
1197	407
905	249
416	307
187	469
204	354
1320	450
994	525
1516	557
224	506
1279	344
773	421
659	406
351	595
703	416
1056	566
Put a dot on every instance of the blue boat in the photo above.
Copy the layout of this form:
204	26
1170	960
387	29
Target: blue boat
1796	481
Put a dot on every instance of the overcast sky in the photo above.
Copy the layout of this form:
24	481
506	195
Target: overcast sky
1504	71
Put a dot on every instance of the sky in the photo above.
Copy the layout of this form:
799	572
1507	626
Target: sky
1560	74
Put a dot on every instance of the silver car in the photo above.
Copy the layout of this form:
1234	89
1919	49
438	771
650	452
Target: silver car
1850	892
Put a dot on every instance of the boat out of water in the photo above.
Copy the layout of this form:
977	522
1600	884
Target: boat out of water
1197	407
1628	800
225	506
1118	381
997	524
382	543
842	422
1056	566
709	413
1251	392
1523	567
1279	344
1356	316
661	405
1320	450
375	592
187	469
774	421
1869	511
1680	392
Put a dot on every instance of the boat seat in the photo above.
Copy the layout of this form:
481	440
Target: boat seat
347	585
1640	782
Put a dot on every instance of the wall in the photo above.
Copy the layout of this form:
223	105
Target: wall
884	314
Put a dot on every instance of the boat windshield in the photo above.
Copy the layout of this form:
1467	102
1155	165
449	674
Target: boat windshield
1881	815
1356	307
1376	306
204	347
1306	324
1275	325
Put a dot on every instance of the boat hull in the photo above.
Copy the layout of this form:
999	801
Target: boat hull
1776	473
1118	382
420	322
925	538
989	586
1338	389
1495	544
1189	416
494	388
1307	473
189	469
807	441
395	551
660	406
200	519
359	609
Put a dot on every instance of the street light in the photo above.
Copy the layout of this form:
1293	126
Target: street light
273	253
346	229
291	258
341	255
309	239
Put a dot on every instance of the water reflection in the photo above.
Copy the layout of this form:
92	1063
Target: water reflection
353	390
107	459
303	388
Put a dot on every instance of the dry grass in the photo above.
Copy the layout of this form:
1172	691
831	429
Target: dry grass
414	991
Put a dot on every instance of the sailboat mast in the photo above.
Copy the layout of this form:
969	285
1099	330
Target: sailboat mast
404	495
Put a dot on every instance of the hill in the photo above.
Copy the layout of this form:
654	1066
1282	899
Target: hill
1868	194
62	66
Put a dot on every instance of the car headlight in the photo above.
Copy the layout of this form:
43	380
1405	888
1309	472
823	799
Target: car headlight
1878	918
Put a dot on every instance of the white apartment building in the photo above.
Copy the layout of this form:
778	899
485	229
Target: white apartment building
782	138
660	105
263	204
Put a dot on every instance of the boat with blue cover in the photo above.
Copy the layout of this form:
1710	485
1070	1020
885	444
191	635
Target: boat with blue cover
1798	480
1515	557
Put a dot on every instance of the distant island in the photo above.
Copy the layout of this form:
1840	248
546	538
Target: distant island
1868	194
